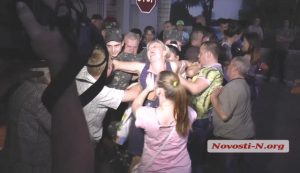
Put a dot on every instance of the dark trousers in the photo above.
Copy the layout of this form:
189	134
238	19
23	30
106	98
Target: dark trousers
277	60
231	162
135	140
197	144
111	157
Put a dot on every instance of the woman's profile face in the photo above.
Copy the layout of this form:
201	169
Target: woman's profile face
173	57
245	45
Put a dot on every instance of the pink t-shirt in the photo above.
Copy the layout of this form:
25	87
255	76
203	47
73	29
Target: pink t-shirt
174	158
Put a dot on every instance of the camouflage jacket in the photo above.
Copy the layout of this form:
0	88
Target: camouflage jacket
119	79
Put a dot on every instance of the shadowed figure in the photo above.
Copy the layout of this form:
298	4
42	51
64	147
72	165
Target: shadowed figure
72	149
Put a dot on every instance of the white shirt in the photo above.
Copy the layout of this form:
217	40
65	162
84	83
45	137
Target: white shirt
95	110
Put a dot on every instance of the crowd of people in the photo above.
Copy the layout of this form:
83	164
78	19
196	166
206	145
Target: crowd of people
182	88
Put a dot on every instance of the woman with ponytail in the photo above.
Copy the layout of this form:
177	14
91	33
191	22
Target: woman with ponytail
166	127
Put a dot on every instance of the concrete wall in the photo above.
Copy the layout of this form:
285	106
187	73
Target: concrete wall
164	8
226	9
129	16
92	7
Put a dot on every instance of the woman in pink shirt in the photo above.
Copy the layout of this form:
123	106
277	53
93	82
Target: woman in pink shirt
166	127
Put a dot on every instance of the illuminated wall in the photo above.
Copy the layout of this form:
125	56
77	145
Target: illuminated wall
226	9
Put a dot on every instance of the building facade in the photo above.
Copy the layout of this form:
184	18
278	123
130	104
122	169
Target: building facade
129	15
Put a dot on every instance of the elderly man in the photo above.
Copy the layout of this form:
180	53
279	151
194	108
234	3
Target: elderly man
232	112
232	106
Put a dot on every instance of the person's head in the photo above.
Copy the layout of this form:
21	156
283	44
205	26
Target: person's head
234	31
196	38
169	87
201	20
168	26
138	32
251	45
157	51
110	22
149	34
176	43
256	21
209	53
173	35
114	42
192	54
174	52
180	25
131	43
238	67
208	34
97	21
97	62
223	24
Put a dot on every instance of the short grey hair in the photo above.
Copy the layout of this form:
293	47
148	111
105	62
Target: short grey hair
131	36
242	64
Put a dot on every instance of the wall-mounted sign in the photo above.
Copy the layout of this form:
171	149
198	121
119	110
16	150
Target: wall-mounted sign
146	6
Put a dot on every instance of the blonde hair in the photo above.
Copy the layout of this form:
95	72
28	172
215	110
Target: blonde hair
175	92
166	50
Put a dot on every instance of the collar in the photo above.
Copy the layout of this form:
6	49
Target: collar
213	65
84	75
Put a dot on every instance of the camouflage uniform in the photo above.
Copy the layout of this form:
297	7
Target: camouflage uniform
121	80
142	56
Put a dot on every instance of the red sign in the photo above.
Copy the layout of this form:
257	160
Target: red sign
146	6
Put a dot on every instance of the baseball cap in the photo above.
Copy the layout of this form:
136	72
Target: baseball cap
179	22
113	35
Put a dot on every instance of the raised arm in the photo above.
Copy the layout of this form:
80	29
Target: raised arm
130	67
195	87
139	100
131	93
